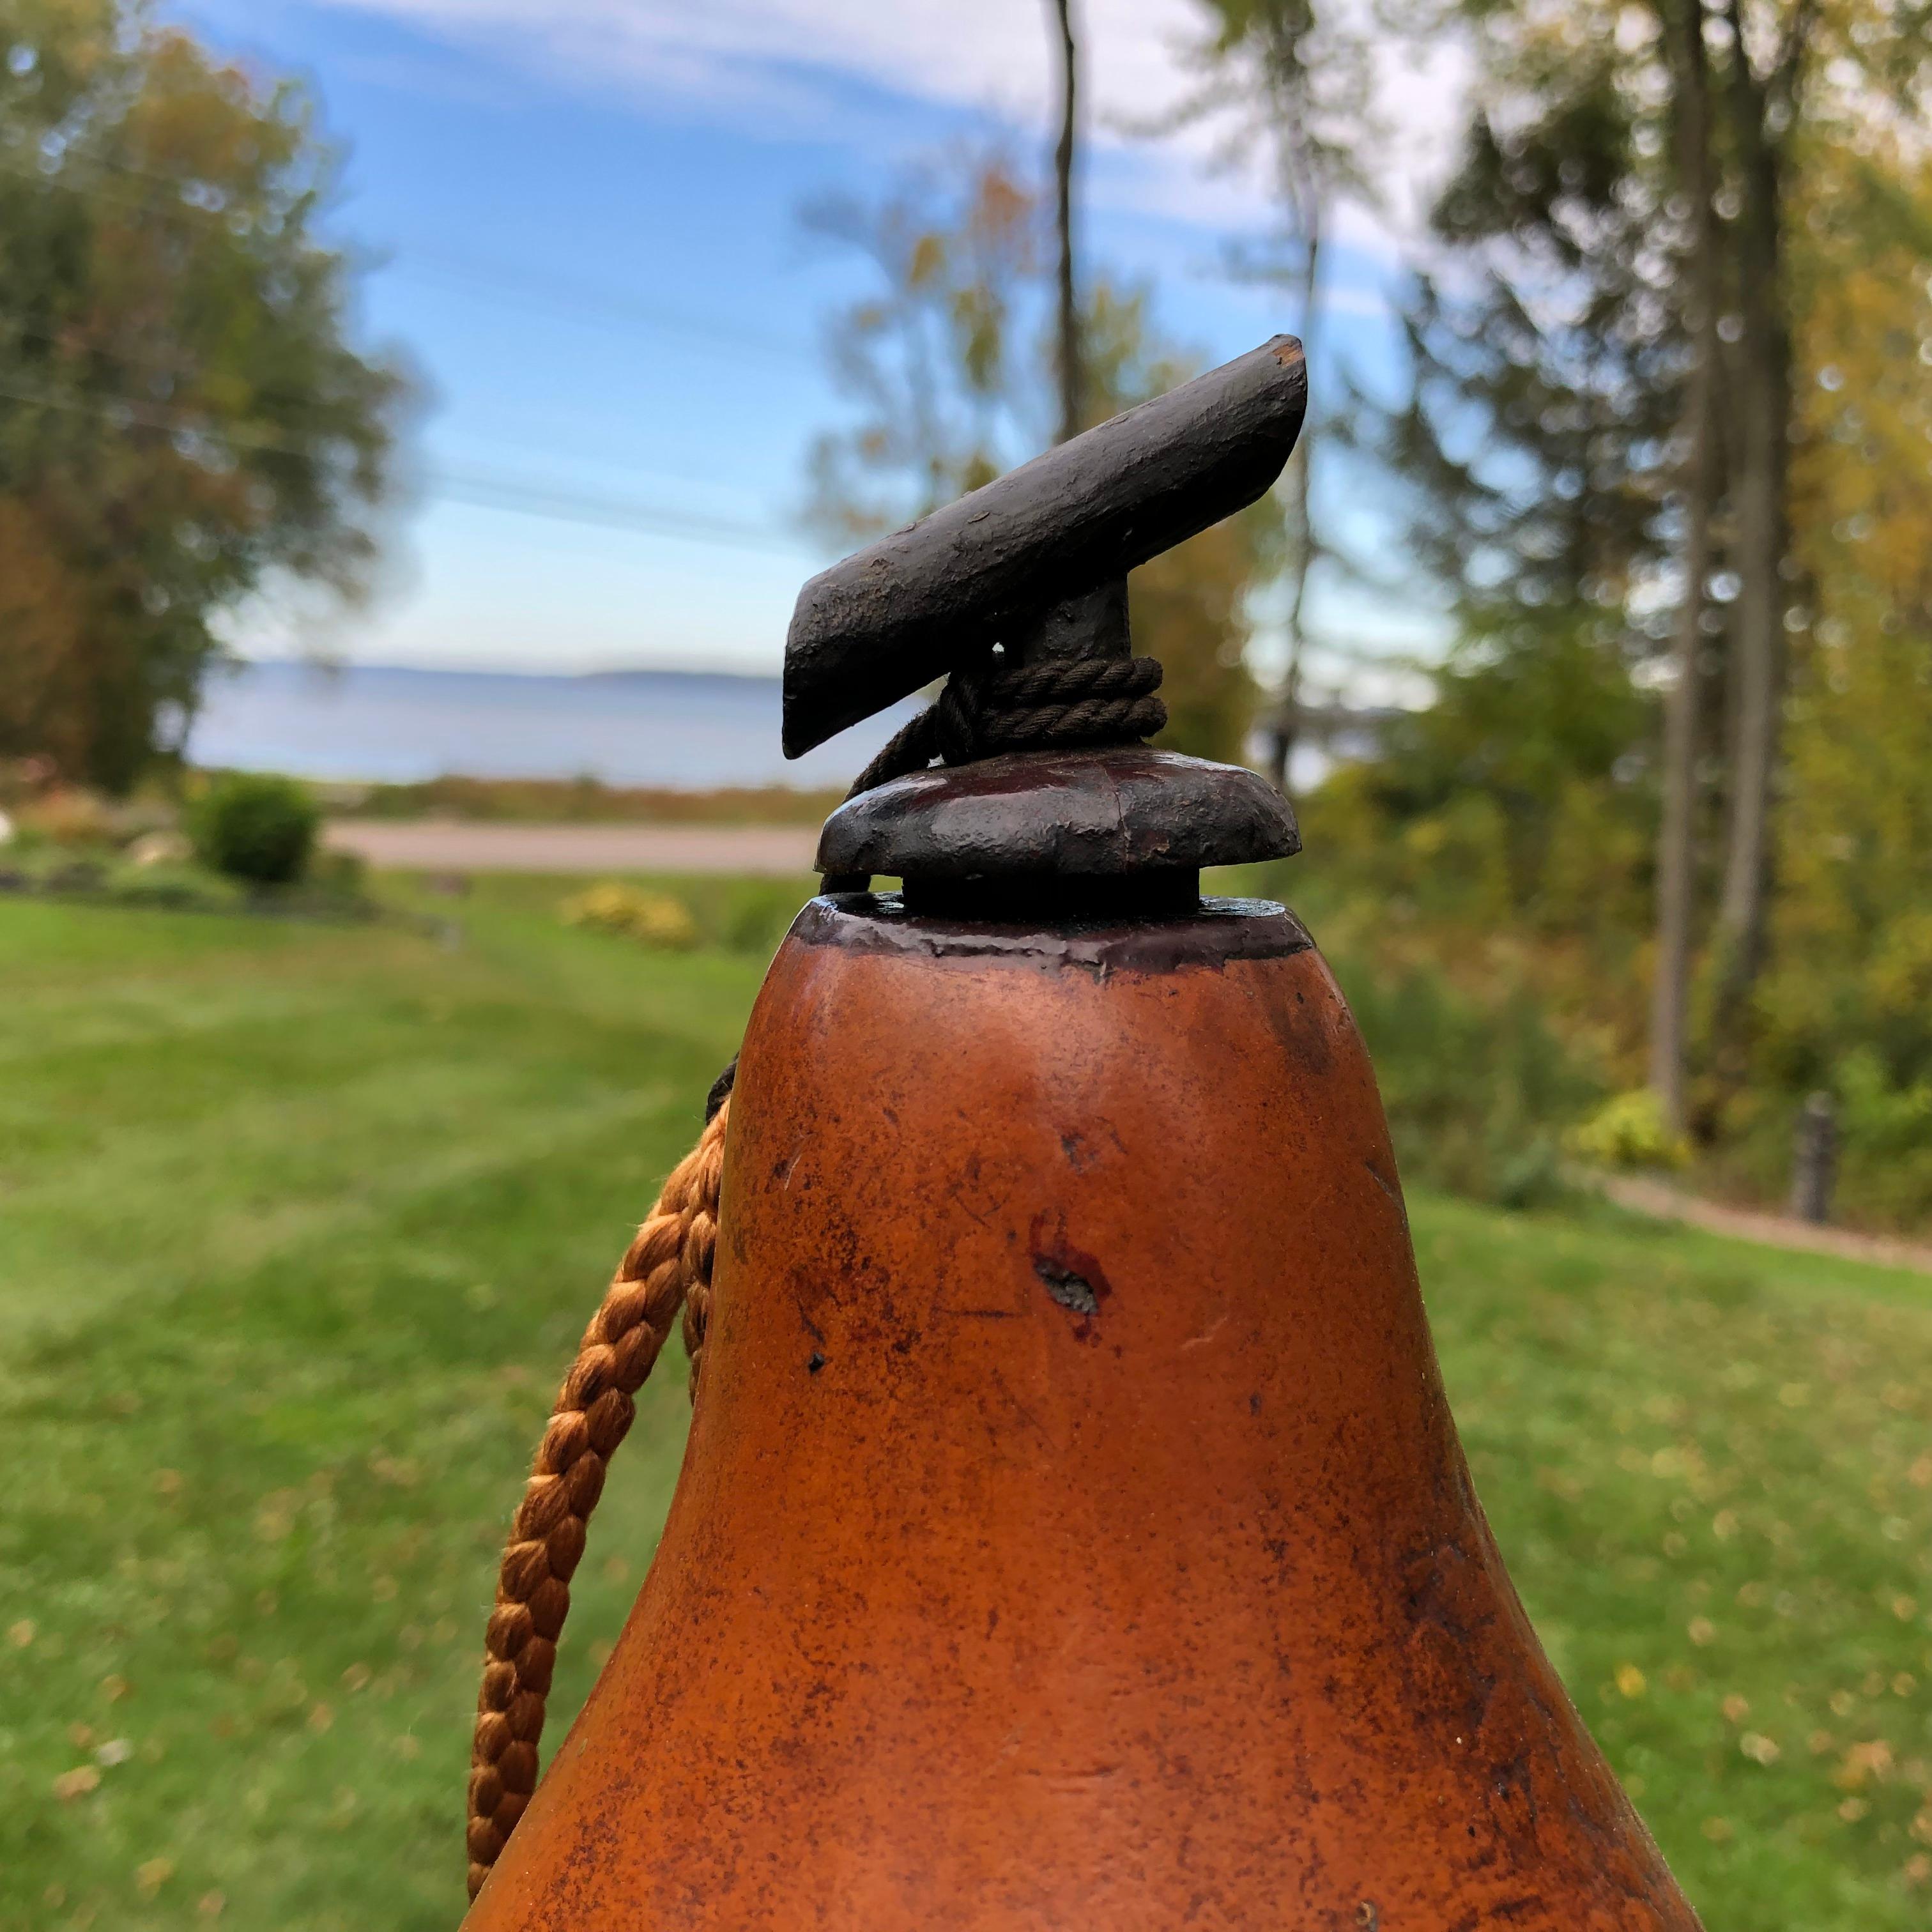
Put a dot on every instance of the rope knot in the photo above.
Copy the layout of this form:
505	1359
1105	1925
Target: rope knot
990	707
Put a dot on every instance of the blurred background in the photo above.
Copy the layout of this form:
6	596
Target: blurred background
416	419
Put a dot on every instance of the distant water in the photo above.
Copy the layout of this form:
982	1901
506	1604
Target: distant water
682	730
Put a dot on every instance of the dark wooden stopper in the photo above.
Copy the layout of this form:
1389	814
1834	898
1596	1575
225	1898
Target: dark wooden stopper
897	615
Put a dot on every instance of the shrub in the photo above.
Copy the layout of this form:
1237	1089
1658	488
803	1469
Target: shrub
254	827
1474	1090
754	915
1885	1153
67	815
1628	1130
652	919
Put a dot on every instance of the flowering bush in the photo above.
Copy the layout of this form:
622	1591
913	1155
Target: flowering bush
652	919
1628	1130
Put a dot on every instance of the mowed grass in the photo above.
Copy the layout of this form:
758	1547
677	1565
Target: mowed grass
298	1225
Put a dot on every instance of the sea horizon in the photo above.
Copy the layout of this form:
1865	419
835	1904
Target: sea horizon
405	724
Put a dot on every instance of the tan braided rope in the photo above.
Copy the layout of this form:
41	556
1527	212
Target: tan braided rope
668	1266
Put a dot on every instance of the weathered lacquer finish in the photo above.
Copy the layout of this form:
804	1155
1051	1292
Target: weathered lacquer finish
1073	1533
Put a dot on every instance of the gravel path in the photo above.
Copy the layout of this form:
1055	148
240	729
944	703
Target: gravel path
430	845
1660	1199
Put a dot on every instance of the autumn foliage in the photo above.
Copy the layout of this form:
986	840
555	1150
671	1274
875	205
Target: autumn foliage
185	422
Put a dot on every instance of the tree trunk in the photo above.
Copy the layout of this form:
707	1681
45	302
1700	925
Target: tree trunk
1279	733
1071	384
1758	491
1677	841
1815	1159
1286	729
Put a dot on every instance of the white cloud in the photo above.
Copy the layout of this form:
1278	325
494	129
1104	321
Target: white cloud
966	52
791	65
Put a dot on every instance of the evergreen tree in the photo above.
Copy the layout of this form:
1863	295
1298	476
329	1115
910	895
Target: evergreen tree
1610	377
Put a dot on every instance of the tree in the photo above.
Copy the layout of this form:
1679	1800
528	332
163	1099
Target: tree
1512	788
1662	218
1789	72
1296	83
1189	606
1545	354
935	358
184	421
1702	486
1071	419
1846	1001
1605	417
1761	96
951	361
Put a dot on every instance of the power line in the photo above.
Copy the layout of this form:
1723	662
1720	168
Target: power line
519	495
589	301
579	300
536	499
126	411
516	494
18	325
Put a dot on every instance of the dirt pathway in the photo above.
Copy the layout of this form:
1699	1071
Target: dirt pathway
432	845
1659	1199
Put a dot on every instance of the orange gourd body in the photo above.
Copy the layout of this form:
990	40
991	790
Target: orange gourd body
1073	1533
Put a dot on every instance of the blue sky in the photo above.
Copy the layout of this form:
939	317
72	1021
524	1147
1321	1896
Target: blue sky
583	218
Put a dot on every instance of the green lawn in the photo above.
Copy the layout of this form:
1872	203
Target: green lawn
298	1225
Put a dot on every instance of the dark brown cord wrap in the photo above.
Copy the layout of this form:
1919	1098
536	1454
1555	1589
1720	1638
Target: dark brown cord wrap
1054	705
667	1266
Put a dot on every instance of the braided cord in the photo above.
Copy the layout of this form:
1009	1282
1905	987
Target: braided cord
667	1266
1055	705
